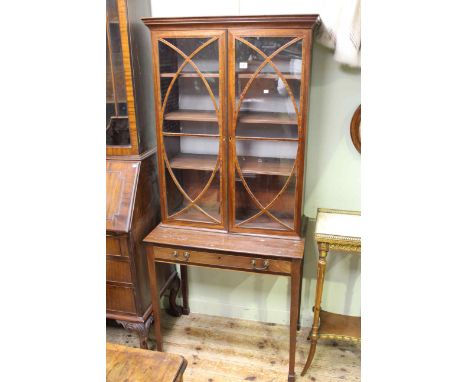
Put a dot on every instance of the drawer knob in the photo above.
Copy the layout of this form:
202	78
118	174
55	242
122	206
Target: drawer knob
266	264
186	255
175	254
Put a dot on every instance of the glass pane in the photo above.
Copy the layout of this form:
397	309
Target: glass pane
206	209
267	131
248	59
260	153
206	60
188	96
265	103
117	128
266	176
267	190
195	168
288	62
283	207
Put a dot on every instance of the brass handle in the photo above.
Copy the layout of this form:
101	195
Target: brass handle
266	264
186	255
175	254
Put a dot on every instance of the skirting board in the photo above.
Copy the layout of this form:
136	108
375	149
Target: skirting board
252	313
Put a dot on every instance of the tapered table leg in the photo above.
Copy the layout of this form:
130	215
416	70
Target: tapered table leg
294	313
184	280
322	265
155	299
300	297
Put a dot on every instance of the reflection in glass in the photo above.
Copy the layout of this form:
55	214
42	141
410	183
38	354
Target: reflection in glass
117	128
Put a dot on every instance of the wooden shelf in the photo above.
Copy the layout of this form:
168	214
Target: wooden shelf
246	138
272	76
265	117
335	325
245	117
190	75
249	165
191	115
240	75
267	166
264	221
194	215
203	162
201	135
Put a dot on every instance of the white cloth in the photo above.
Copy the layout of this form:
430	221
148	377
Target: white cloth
341	30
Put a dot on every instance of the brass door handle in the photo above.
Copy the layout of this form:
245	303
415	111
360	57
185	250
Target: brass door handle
186	256
266	264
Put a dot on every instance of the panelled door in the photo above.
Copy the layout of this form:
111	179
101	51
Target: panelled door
190	103
267	107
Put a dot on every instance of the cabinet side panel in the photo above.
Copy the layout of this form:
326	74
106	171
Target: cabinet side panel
304	102
140	46
146	216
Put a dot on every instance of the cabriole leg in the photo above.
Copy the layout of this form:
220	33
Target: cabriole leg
140	328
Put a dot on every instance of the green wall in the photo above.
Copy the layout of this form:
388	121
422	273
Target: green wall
333	178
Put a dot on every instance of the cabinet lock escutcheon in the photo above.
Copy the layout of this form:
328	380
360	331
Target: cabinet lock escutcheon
186	255
175	254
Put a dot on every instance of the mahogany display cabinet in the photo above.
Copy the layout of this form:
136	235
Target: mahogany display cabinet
231	107
132	201
231	102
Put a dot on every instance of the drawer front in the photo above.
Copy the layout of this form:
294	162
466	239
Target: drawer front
116	246
118	271
120	299
247	263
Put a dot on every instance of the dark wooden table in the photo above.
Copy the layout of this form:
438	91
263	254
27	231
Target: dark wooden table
276	256
138	365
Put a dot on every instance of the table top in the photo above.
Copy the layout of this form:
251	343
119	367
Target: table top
137	365
338	226
227	242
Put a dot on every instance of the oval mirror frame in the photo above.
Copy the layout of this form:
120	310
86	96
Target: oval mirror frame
355	129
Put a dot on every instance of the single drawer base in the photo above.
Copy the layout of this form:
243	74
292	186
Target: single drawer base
221	260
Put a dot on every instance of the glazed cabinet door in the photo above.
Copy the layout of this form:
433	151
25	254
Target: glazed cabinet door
268	98
121	138
190	102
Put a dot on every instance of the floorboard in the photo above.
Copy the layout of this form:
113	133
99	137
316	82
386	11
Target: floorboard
220	349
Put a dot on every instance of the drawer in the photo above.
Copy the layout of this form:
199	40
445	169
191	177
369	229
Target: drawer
116	246
118	270
247	263
121	299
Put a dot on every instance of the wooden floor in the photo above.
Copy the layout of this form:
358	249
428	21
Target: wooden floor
220	349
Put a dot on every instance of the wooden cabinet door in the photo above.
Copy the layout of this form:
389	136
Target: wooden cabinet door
190	102
268	99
